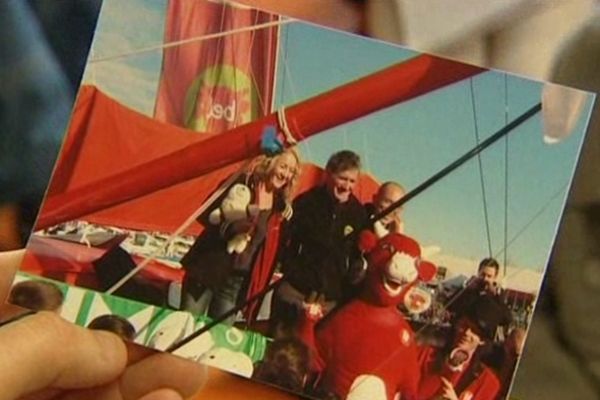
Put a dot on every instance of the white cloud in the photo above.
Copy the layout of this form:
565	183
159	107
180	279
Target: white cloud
129	84
126	26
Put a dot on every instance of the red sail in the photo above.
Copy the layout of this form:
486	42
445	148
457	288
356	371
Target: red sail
216	79
106	138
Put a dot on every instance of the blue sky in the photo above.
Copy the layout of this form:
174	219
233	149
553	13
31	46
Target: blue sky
406	143
410	142
125	27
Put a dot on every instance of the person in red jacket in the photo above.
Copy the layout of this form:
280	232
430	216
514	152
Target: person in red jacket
366	348
456	372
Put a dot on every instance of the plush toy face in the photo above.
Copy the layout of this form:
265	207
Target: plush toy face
394	264
399	271
237	198
389	280
234	206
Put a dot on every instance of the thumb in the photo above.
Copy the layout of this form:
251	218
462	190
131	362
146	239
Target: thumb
44	351
162	394
9	263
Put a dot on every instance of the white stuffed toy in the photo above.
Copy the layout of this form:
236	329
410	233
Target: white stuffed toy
379	229
235	207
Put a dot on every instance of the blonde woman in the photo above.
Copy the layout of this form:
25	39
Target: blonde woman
218	275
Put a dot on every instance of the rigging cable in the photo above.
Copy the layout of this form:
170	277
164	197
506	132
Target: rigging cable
188	41
538	214
505	253
294	93
480	163
257	88
215	61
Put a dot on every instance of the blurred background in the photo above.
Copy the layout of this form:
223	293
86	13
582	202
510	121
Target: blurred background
44	51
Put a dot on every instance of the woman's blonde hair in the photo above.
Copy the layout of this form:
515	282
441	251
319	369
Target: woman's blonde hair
262	166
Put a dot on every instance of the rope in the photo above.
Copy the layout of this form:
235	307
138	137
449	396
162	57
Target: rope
252	77
288	76
188	41
275	86
481	180
215	59
505	257
541	211
285	129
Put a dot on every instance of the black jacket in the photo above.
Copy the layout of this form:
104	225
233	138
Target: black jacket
320	254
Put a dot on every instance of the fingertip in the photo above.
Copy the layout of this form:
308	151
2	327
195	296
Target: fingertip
162	394
165	371
186	376
112	348
9	263
43	350
91	357
137	352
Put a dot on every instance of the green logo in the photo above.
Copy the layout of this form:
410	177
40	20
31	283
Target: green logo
220	97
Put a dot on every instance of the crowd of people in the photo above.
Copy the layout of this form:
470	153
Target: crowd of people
313	241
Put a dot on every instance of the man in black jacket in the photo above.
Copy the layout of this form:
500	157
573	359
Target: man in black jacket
320	256
483	285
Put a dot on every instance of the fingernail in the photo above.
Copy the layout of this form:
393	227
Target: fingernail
162	394
17	317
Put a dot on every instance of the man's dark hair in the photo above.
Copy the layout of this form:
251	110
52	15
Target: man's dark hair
286	364
489	262
342	161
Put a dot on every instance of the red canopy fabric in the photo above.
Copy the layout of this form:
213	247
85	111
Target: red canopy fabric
106	138
170	162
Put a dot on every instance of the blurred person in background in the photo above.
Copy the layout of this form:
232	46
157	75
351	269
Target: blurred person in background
482	286
43	51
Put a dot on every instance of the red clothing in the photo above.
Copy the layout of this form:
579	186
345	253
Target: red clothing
264	266
365	350
484	387
362	342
